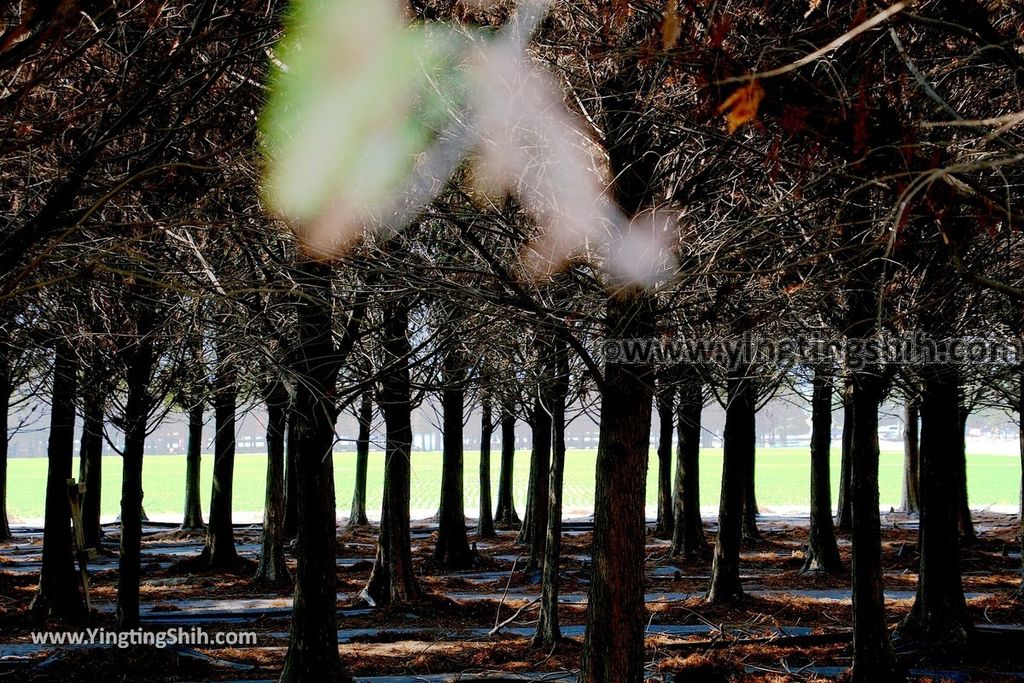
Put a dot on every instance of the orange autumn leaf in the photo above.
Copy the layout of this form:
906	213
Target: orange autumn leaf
670	27
741	106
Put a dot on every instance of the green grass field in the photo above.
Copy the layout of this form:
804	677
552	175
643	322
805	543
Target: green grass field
782	480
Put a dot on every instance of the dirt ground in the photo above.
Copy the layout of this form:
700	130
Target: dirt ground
790	626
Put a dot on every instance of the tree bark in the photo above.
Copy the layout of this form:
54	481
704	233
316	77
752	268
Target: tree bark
452	549
613	647
6	390
822	550
873	658
548	631
534	530
392	581
357	517
967	533
938	621
1020	446
665	401
291	488
220	549
737	443
844	516
911	458
506	515
90	470
688	538
485	525
136	418
313	638
193	504
58	595
272	569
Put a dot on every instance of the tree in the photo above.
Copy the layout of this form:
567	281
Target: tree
822	551
911	457
665	402
272	568
688	538
313	638
392	581
485	527
364	416
57	595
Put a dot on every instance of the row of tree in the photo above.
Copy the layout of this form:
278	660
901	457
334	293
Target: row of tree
875	193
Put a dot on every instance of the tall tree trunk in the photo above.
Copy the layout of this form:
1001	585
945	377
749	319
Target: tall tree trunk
357	517
58	595
822	550
485	526
136	420
193	504
506	513
392	581
548	630
1020	446
665	401
873	658
6	390
737	444
688	538
452	549
272	569
534	530
938	621
613	648
291	478
844	516
967	533
313	638
90	470
911	458
220	549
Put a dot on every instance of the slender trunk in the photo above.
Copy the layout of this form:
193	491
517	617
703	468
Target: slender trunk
613	648
6	389
1020	442
357	517
58	595
688	538
193	504
452	549
967	533
313	638
665	400
136	419
392	581
938	621
844	516
548	630
272	569
534	530
911	457
485	527
291	487
90	464
506	513
220	549
873	658
822	550
737	443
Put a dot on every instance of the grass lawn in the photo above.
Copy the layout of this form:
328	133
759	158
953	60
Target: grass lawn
782	480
